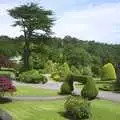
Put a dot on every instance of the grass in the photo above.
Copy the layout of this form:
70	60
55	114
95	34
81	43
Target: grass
50	110
32	91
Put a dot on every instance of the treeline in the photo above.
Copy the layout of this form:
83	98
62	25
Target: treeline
76	53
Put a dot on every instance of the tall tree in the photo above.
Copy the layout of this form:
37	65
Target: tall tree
31	17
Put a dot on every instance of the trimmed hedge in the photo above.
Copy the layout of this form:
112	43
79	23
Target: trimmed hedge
108	72
32	76
80	78
77	108
65	89
89	90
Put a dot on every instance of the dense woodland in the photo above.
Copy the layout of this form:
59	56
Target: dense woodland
75	52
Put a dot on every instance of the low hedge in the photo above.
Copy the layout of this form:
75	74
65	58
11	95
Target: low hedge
32	76
8	74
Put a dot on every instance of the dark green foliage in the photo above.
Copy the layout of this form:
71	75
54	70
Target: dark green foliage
80	78
89	90
96	70
87	71
31	76
56	77
77	108
69	80
65	89
108	72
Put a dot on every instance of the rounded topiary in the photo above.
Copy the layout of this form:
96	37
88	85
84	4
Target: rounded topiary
77	108
108	72
90	90
65	88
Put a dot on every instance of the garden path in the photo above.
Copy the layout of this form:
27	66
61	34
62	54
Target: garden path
56	86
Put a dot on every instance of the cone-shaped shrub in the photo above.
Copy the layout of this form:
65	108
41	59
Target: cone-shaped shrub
108	72
65	88
89	91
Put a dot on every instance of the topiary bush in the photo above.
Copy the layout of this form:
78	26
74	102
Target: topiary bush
108	72
77	108
69	80
31	76
65	89
80	78
89	90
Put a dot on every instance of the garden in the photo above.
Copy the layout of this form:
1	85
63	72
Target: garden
50	78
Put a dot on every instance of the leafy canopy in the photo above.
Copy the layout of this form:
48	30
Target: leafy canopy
32	17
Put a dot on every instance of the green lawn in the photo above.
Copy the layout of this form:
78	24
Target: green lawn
50	110
32	91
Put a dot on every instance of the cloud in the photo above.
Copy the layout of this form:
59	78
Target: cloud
100	23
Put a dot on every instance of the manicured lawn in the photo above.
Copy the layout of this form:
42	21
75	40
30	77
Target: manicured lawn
50	110
32	91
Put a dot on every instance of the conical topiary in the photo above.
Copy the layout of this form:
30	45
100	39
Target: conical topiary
90	90
108	72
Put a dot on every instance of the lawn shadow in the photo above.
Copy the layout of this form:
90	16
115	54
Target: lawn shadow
4	100
65	115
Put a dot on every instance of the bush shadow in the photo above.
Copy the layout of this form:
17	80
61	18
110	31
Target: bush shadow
65	115
4	100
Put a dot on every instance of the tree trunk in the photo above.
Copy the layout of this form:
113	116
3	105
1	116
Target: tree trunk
26	51
26	55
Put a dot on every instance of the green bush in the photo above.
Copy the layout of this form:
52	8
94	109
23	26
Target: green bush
69	80
64	71
31	76
80	78
77	108
89	90
108	72
75	71
87	71
9	74
96	70
55	76
65	89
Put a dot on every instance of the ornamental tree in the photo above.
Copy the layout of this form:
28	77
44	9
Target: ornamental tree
31	18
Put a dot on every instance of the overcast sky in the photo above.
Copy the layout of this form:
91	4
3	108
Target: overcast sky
97	20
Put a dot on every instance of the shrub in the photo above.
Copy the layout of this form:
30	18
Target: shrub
87	71
96	70
80	78
77	108
8	74
31	76
108	72
69	80
89	90
65	89
75	71
55	76
64	71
